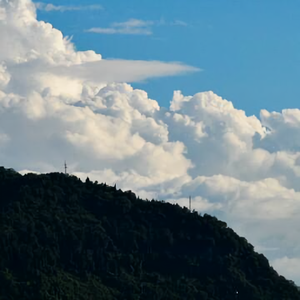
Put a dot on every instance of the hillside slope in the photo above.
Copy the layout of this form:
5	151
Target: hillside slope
65	239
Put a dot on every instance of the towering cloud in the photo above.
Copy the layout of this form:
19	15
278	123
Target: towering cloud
57	103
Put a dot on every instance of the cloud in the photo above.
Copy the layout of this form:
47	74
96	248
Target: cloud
62	8
288	266
118	70
132	26
57	103
179	23
34	53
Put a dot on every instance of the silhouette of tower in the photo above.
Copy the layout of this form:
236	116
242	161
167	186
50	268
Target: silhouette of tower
66	168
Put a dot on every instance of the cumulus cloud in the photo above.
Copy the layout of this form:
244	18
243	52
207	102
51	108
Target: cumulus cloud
62	8
33	53
57	103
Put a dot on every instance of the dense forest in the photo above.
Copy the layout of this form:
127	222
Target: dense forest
65	239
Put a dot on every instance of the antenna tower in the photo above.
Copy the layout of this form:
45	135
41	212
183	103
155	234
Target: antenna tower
190	203
66	168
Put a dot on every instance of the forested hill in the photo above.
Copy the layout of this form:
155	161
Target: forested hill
62	238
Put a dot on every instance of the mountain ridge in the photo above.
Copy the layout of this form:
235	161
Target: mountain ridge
67	239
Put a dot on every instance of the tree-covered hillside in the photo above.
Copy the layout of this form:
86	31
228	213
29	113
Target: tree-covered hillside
62	238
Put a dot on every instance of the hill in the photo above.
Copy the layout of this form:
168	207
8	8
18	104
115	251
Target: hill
62	238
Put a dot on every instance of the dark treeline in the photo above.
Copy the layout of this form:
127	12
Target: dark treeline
65	239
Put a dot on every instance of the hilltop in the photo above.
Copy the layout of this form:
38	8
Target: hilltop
62	238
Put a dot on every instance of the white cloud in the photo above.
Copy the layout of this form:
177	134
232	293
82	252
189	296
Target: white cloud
122	70
57	103
34	53
288	266
179	23
62	8
132	26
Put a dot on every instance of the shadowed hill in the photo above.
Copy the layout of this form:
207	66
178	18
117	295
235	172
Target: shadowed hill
65	239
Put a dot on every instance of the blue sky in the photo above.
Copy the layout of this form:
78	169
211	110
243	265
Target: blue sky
249	51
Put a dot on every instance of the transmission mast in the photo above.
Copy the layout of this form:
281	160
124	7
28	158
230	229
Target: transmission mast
66	168
190	203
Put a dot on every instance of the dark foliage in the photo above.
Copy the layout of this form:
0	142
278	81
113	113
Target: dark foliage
65	239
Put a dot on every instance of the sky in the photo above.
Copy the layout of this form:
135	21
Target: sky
249	51
166	99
